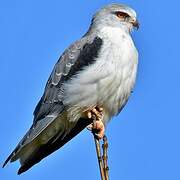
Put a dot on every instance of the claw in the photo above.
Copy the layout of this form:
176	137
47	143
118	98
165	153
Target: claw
97	112
100	109
97	126
90	127
89	115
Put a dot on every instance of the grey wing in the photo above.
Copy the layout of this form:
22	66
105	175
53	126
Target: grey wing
51	104
51	100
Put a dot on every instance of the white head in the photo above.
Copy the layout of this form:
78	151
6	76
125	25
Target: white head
115	15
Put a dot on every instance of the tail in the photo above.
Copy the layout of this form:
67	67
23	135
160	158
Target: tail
35	152
22	154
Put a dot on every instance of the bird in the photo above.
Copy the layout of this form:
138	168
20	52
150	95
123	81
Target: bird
94	77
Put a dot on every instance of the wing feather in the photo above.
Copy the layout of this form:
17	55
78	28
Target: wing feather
50	107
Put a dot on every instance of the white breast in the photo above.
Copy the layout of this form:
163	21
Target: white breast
109	81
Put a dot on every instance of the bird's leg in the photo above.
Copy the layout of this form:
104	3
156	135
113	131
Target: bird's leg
97	126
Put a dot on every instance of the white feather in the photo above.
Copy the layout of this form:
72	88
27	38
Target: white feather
109	81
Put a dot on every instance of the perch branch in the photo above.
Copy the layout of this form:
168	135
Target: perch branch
105	157
99	156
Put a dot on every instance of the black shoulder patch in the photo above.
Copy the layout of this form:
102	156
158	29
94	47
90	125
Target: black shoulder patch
87	56
50	102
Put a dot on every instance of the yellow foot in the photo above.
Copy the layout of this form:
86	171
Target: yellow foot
97	126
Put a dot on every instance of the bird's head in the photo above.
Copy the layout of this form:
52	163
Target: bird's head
116	15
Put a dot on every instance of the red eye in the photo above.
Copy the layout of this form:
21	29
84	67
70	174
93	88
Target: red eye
122	15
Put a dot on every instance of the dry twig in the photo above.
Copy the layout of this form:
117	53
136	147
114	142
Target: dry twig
98	151
102	159
105	158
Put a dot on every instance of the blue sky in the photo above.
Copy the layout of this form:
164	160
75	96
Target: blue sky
143	139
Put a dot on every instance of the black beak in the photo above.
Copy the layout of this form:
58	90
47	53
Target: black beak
136	24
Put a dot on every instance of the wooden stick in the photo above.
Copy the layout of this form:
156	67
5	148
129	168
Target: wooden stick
98	152
105	157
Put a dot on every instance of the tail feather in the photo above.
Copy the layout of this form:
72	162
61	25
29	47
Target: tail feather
52	145
11	156
30	136
8	159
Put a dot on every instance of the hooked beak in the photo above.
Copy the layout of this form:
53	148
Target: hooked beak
135	24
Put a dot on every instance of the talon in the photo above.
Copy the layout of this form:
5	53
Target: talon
99	129
100	109
95	113
98	113
90	127
97	126
89	114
